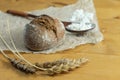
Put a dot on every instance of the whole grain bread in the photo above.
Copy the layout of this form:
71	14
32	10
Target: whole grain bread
43	32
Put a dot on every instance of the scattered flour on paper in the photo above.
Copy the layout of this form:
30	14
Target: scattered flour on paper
17	27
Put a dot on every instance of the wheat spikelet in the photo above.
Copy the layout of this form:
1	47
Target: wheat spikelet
22	66
62	65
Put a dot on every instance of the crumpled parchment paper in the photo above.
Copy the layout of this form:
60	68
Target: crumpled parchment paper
17	26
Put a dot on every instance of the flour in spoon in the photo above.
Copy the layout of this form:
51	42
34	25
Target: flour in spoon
82	18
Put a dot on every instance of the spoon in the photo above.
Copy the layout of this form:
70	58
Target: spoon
28	15
82	31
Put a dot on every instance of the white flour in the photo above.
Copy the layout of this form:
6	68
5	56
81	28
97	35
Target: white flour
82	18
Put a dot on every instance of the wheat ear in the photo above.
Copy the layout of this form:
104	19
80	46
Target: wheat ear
62	65
19	64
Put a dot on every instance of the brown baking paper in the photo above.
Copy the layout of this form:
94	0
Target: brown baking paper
17	26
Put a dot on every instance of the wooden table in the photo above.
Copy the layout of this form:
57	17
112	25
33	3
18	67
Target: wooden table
104	57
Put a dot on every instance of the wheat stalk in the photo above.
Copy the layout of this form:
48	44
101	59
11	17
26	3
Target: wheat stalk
62	65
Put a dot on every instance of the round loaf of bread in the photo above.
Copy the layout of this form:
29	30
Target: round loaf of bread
44	32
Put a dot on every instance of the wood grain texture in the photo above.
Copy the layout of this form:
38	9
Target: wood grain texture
104	57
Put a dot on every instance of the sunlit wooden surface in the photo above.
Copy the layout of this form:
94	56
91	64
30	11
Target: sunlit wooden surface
104	57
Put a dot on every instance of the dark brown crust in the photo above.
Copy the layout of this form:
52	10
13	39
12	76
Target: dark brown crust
43	33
